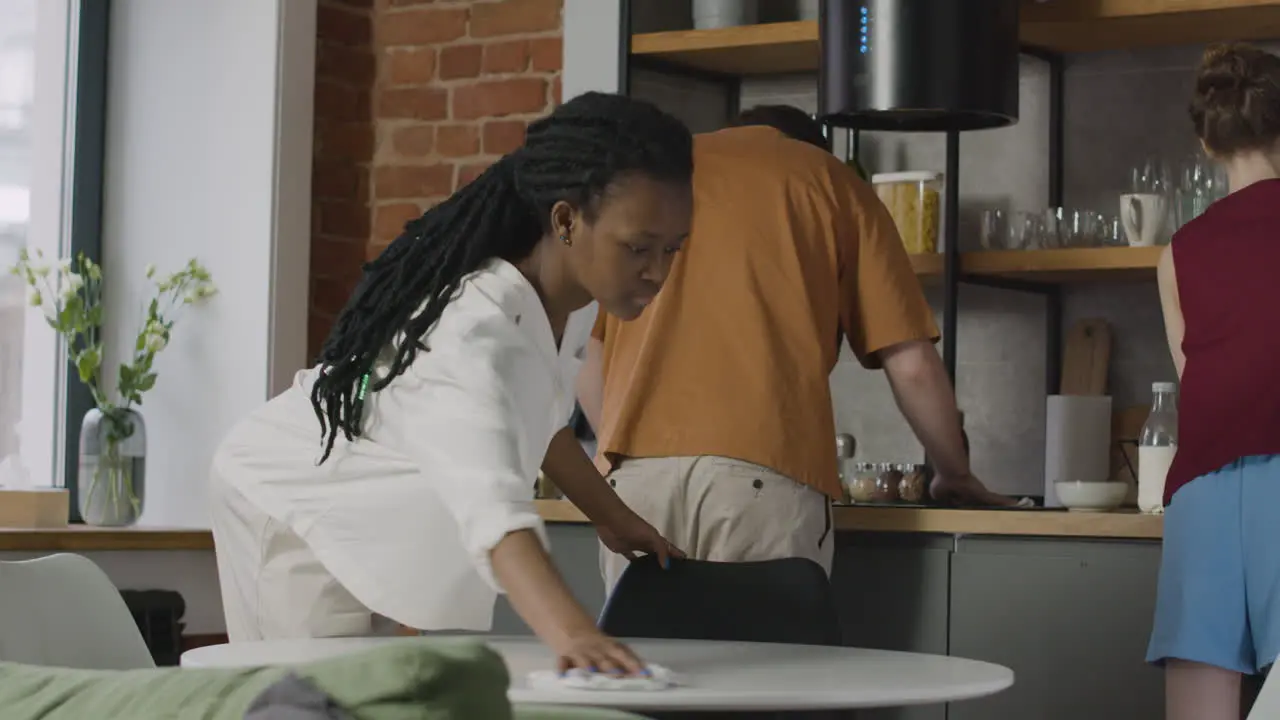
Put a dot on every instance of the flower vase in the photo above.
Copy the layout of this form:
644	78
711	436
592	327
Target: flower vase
111	482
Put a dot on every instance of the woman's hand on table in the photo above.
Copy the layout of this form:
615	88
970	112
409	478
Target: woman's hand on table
593	651
543	600
966	491
631	536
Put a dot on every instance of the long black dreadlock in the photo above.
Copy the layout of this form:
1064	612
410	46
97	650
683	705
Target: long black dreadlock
573	154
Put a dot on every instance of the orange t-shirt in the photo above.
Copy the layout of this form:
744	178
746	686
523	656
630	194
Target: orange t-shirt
789	247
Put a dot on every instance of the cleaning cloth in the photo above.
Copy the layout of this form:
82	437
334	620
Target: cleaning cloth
659	678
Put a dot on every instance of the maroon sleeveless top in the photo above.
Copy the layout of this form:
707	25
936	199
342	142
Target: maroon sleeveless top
1228	264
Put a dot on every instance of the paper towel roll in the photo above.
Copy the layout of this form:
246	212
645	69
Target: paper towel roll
1077	442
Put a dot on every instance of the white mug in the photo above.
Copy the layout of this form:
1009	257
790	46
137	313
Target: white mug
1143	216
713	14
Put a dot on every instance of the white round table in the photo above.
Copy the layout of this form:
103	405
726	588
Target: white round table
715	675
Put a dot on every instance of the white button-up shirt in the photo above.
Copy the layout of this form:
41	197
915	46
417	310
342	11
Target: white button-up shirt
405	516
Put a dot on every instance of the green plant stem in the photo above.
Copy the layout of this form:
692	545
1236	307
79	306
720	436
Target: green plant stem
116	472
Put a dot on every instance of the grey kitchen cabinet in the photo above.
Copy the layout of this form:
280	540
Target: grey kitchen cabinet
1071	618
575	551
892	590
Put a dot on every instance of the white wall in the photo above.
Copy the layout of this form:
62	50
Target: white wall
592	55
209	155
592	46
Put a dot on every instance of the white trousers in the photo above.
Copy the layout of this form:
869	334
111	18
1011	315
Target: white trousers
257	554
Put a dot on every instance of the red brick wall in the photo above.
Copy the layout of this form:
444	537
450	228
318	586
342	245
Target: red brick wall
414	98
342	152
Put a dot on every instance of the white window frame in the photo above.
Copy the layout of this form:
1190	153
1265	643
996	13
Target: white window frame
42	419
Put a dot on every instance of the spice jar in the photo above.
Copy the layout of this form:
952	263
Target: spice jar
887	479
862	488
913	201
912	486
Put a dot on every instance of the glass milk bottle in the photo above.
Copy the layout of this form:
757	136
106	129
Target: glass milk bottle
1156	446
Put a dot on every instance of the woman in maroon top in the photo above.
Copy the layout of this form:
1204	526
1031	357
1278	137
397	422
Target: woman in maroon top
1218	605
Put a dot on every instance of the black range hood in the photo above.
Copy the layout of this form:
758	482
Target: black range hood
919	65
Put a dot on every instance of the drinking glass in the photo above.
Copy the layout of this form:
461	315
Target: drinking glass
1151	177
994	230
1025	230
1081	228
1053	228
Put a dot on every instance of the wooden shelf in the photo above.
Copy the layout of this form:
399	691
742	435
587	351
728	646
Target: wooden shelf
1066	26
1067	265
1093	25
927	265
744	50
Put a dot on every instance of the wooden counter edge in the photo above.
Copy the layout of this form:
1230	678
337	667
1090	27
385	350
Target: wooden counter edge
1117	525
82	538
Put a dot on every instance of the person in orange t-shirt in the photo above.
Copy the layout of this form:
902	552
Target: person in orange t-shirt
713	409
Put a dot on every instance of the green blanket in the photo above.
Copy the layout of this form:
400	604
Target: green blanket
413	679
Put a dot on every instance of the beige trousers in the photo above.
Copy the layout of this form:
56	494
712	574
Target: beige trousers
718	508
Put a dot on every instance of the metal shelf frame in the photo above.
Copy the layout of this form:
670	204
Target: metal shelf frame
952	276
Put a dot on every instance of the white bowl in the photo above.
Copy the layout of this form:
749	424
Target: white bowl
1091	496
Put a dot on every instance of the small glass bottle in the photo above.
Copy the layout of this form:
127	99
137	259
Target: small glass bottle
1157	445
845	450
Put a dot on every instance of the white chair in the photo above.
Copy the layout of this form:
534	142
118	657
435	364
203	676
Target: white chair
62	610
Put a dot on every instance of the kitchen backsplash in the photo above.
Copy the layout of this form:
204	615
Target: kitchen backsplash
1121	108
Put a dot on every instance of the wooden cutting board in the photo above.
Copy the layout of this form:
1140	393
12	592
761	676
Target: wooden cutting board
1086	357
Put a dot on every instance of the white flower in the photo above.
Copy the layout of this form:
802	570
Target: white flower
154	337
49	309
74	283
151	270
41	269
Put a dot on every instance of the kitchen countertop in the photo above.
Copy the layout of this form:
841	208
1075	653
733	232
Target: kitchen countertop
82	538
1027	523
1044	523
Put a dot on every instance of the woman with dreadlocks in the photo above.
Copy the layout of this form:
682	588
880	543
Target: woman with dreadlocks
394	480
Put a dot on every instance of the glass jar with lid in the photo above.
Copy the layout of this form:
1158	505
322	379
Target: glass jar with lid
887	479
912	488
862	486
914	200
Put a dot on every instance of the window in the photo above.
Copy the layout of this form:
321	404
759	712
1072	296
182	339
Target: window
40	123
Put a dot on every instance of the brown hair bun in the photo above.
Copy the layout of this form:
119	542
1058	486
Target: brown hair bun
1236	102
